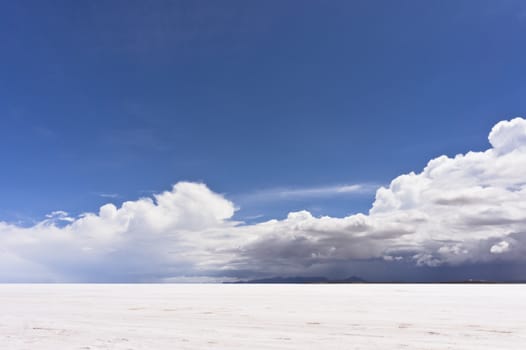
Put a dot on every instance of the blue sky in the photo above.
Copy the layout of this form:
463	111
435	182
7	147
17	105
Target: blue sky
123	97
279	105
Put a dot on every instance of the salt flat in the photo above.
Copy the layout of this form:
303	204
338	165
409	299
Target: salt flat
80	316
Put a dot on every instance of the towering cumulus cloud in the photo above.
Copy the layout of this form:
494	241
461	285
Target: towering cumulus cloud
466	210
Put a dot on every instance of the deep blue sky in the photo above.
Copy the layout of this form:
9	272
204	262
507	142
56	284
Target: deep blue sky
127	97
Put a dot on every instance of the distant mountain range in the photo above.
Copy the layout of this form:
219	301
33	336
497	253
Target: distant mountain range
352	279
301	280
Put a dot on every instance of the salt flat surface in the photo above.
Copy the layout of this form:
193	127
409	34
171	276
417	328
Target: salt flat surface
155	317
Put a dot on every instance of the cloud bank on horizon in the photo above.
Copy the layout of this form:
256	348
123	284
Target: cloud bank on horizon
465	210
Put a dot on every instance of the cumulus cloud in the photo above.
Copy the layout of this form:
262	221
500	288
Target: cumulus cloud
150	238
465	210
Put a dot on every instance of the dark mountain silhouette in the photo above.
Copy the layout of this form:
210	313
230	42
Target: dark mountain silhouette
303	279
355	279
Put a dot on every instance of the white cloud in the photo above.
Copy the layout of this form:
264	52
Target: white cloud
500	247
148	238
468	209
508	136
58	216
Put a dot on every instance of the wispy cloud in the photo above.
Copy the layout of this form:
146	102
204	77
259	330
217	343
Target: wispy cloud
108	195
253	217
281	193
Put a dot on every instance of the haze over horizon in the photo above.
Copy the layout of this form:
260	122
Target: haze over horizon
204	141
